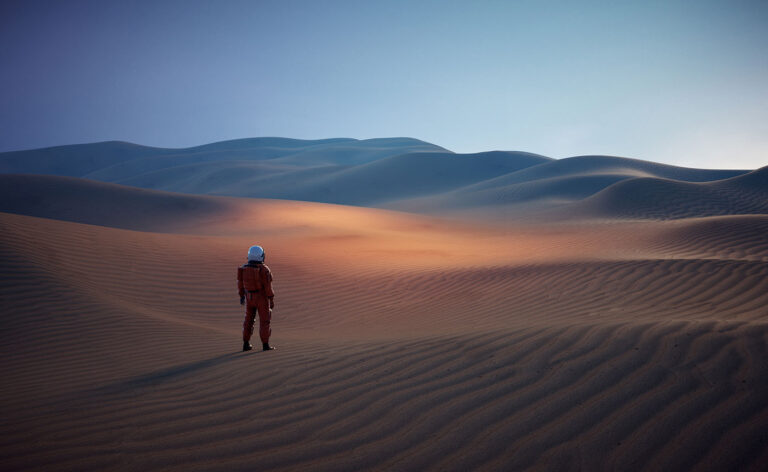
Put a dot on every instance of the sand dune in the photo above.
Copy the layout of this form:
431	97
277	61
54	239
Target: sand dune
114	160
403	176
405	343
74	160
318	179
227	178
668	199
525	196
85	201
398	173
332	171
556	183
623	328
311	155
598	165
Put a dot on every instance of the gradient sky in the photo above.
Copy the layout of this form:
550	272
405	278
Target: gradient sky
681	82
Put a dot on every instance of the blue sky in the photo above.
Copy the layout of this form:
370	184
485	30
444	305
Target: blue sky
682	82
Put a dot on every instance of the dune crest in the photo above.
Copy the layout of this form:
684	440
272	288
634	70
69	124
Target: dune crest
653	198
403	174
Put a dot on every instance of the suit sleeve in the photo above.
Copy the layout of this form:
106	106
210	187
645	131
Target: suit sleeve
266	282
240	288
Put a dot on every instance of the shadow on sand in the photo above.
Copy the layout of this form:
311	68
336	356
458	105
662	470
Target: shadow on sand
157	378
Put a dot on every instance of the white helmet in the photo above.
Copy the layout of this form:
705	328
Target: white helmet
256	253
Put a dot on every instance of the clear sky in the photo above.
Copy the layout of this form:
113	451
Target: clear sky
681	82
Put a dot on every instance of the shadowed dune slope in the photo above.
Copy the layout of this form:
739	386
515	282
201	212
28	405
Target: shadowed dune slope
312	154
74	160
404	343
316	172
114	160
597	165
528	195
556	182
86	201
402	176
667	199
226	178
385	179
741	237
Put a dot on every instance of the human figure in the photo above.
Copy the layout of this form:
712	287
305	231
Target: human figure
254	284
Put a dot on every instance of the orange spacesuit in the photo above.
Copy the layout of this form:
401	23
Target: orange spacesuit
254	284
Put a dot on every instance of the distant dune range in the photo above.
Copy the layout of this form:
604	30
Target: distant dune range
623	328
404	174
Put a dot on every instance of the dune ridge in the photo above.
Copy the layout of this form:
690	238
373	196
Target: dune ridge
403	174
86	201
653	198
559	183
114	160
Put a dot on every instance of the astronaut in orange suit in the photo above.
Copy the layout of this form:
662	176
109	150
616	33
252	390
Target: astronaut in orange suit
254	284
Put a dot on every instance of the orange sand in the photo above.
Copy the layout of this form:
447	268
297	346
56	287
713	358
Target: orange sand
404	343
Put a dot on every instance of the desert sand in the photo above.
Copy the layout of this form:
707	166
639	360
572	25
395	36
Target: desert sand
631	335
